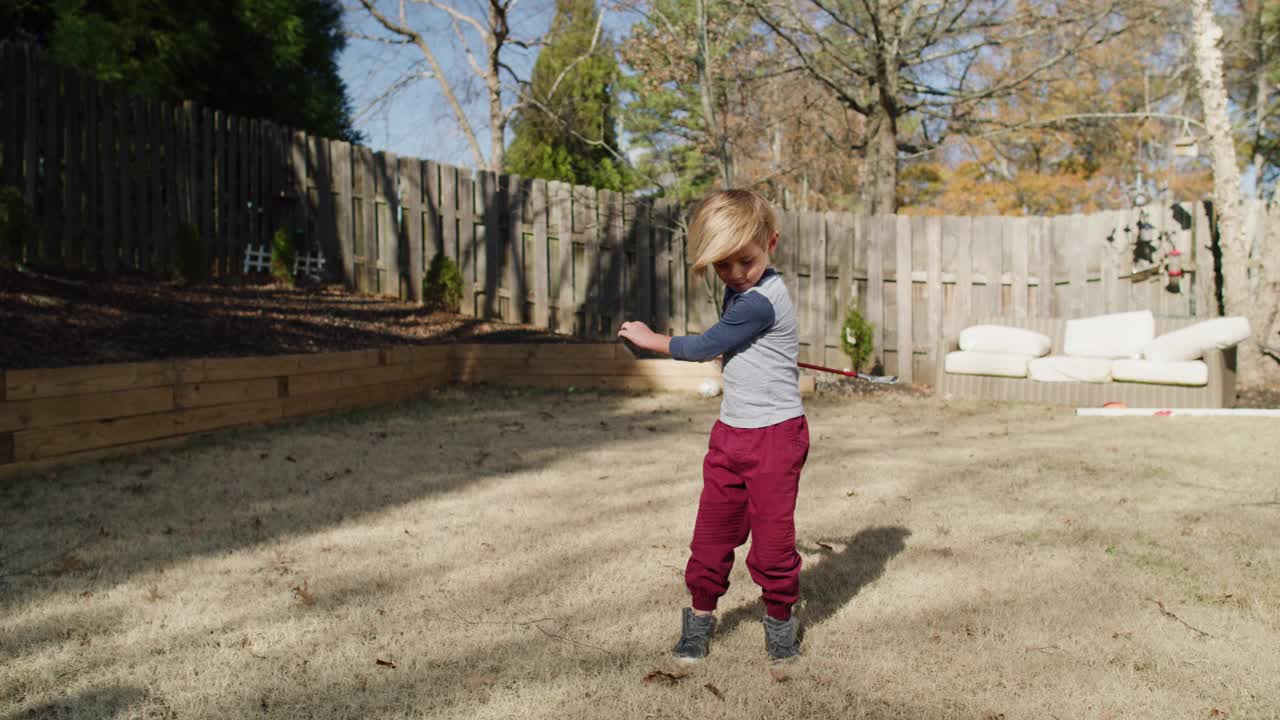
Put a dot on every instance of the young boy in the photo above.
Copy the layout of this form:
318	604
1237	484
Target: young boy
751	472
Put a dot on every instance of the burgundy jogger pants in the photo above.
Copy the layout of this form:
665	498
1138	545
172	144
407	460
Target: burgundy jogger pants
750	478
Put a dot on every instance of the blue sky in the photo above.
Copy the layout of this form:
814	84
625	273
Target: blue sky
417	121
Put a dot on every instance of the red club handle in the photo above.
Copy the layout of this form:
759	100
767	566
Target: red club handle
827	369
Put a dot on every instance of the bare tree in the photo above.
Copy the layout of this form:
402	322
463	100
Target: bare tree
1237	294
897	60
492	29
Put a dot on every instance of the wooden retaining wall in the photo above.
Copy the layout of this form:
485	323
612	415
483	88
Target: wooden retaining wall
79	413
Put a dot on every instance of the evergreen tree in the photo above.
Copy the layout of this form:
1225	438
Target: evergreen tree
272	59
566	126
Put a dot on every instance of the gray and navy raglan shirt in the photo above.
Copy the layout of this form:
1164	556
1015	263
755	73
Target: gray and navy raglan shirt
758	338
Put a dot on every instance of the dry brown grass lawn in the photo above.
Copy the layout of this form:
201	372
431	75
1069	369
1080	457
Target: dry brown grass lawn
517	554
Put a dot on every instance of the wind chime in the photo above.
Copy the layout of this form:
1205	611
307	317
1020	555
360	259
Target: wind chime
1155	252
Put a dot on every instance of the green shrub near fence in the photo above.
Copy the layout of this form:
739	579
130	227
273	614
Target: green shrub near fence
857	339
283	252
442	285
191	257
18	228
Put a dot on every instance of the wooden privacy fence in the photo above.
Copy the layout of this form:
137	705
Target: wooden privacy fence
111	176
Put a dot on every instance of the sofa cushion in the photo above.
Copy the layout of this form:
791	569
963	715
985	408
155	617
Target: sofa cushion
1191	342
1004	339
1120	335
969	362
1061	368
1187	372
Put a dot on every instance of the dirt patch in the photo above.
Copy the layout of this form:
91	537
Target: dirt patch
61	320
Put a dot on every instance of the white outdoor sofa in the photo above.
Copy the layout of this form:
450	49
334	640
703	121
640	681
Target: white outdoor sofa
1210	386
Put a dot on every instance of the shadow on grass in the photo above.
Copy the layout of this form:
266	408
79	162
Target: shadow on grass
829	585
91	703
92	526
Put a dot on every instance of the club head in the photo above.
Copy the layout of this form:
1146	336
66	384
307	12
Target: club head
881	379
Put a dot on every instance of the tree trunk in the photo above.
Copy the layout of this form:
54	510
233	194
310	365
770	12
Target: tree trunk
1236	294
880	166
1266	326
495	40
714	126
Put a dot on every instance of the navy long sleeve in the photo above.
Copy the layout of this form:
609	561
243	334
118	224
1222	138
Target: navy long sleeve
748	314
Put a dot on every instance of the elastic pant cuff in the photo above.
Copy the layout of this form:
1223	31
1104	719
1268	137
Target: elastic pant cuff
778	611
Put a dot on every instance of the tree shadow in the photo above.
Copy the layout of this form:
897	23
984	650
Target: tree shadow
827	586
90	703
256	486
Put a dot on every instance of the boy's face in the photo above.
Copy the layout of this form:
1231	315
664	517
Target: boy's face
742	270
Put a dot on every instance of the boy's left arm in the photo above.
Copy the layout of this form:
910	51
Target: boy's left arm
746	318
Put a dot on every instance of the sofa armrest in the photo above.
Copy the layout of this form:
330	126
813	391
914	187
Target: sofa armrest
1222	375
945	345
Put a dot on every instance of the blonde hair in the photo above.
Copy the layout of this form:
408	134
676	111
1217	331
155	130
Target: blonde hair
726	221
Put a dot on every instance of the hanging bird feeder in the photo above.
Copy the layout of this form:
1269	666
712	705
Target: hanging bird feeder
1186	145
1173	263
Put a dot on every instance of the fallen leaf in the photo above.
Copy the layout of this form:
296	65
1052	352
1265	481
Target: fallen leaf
714	691
479	680
385	663
671	678
304	594
70	563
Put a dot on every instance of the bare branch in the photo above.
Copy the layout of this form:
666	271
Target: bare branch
416	38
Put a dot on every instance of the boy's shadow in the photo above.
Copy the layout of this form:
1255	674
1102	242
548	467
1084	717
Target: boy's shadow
828	585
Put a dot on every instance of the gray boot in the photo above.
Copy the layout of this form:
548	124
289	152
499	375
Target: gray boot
782	638
695	636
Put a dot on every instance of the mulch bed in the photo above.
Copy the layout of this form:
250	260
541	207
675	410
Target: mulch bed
80	319
59	320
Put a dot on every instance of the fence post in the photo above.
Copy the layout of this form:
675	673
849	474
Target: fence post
1206	281
1021	266
562	216
880	229
906	345
541	261
932	238
411	170
816	228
